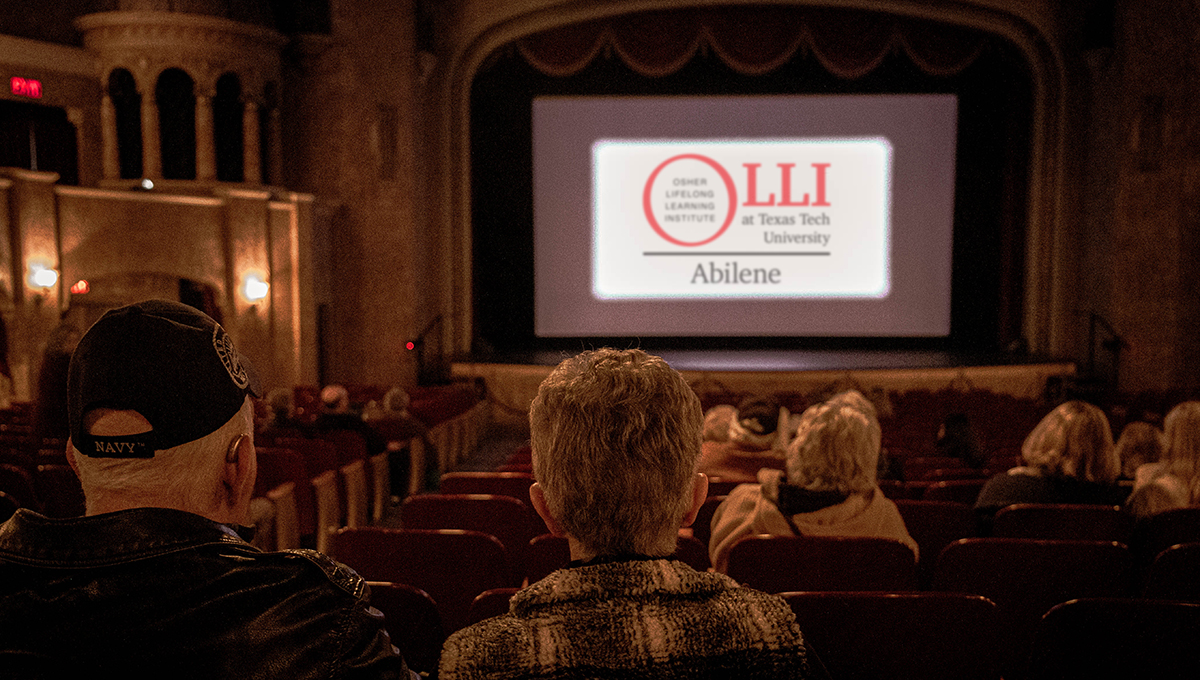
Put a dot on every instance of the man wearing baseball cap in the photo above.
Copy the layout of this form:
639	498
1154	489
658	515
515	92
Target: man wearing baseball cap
155	581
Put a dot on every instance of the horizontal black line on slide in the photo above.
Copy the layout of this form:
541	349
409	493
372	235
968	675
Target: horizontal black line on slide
650	253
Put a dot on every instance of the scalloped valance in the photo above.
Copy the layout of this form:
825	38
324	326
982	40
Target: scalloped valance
754	41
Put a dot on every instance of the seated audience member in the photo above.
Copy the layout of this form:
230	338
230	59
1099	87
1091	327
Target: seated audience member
716	422
1140	443
1174	481
337	415
856	400
155	581
753	442
956	439
1069	458
829	488
397	426
616	438
281	415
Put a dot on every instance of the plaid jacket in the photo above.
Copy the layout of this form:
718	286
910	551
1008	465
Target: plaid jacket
633	619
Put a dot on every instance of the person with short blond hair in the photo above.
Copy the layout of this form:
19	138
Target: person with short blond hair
828	489
1069	458
1140	444
616	438
1174	481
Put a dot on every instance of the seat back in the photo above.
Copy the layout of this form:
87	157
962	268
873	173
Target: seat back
1175	574
354	482
18	483
1114	638
935	525
1156	533
722	487
452	565
546	554
1026	577
411	617
514	484
1064	522
490	603
328	507
914	468
549	553
957	490
287	527
702	527
777	564
933	636
8	506
58	487
690	551
381	485
277	466
512	522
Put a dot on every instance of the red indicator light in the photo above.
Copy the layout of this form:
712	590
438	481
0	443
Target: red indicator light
26	87
410	344
81	286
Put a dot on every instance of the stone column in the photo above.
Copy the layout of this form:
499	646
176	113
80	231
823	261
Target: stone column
151	152
275	159
206	150
110	156
251	165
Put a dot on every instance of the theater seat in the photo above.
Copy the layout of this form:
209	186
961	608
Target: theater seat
411	617
490	603
1026	577
935	525
1117	638
514	484
1064	522
514	523
932	636
1175	574
453	566
777	564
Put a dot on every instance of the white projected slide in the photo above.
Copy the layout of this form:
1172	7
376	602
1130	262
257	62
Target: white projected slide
802	215
721	219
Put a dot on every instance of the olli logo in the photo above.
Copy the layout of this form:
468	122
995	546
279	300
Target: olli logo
692	190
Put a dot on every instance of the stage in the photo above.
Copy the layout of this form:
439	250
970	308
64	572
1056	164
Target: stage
512	380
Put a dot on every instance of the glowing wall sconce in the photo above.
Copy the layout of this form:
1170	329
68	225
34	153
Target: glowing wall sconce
42	277
254	289
81	287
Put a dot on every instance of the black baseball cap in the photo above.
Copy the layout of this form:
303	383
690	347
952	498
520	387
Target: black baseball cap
166	360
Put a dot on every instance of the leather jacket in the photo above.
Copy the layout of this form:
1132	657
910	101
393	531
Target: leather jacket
162	593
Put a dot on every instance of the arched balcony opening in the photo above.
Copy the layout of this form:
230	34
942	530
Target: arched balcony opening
127	105
176	99
227	129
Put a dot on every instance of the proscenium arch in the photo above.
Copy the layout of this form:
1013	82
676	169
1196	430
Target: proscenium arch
1045	286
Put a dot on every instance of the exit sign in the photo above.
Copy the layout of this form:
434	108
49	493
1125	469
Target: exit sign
27	87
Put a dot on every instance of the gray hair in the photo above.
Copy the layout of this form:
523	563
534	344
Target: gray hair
616	442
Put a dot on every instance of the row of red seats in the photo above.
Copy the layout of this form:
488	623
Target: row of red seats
929	635
1023	578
